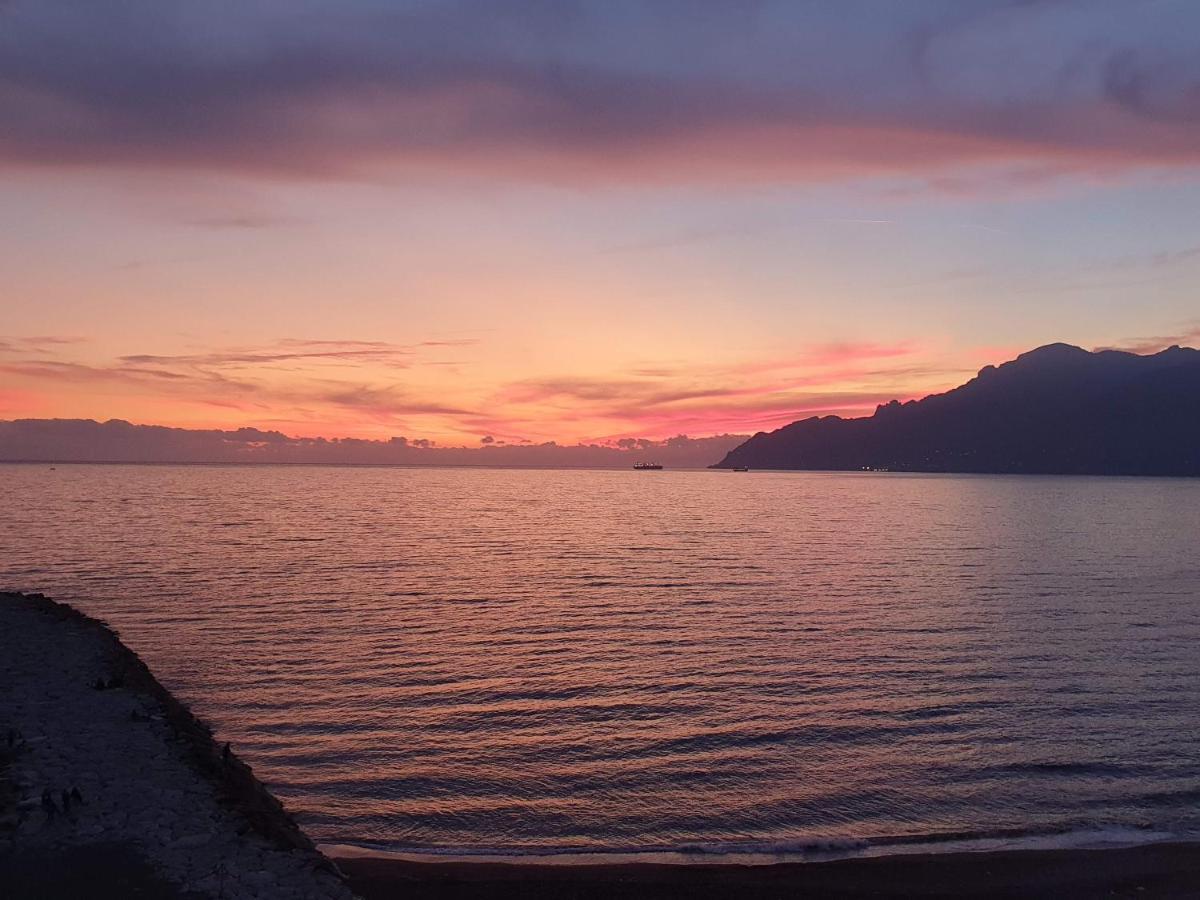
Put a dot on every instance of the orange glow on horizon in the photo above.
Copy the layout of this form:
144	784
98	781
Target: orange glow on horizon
375	389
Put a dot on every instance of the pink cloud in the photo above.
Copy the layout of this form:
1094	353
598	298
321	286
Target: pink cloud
840	354
290	384
843	378
1186	337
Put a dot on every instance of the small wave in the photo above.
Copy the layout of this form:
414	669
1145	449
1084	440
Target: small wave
1063	768
1172	799
776	848
816	849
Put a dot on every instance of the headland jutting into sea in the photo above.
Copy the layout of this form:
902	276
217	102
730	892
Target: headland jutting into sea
110	787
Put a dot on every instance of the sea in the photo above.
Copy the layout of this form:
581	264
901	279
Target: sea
678	665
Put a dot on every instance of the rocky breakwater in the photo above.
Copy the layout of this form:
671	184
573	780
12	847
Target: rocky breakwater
109	787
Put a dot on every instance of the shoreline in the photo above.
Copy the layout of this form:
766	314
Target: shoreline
1163	870
806	853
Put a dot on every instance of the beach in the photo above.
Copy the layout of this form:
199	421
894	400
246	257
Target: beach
111	788
1156	870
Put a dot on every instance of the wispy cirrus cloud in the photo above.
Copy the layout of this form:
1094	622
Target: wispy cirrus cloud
37	343
1174	257
845	378
1187	336
382	404
349	383
1163	259
57	370
370	384
844	353
290	350
352	387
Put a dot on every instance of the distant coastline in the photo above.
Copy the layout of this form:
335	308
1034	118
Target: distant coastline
55	441
1056	410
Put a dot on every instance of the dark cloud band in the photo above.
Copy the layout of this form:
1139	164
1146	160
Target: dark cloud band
600	89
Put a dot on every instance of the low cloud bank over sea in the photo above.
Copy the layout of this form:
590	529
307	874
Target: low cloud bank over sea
86	440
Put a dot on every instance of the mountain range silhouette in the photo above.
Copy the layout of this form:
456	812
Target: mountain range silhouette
1058	409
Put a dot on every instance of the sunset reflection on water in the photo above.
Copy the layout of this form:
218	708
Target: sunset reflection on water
468	658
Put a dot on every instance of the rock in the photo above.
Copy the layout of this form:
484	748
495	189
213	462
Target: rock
190	841
120	783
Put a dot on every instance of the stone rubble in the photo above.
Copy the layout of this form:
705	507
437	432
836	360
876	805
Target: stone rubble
122	752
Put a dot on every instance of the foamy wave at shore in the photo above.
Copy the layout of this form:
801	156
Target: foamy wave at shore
773	852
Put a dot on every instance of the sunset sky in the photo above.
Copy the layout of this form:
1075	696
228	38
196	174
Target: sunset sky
543	220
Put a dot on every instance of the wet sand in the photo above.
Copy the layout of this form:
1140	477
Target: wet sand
1155	870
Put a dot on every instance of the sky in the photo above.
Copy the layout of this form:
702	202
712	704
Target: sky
496	223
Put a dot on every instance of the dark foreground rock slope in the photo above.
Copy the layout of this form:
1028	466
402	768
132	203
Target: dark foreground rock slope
1054	410
111	788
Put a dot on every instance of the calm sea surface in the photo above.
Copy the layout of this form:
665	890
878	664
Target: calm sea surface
525	661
